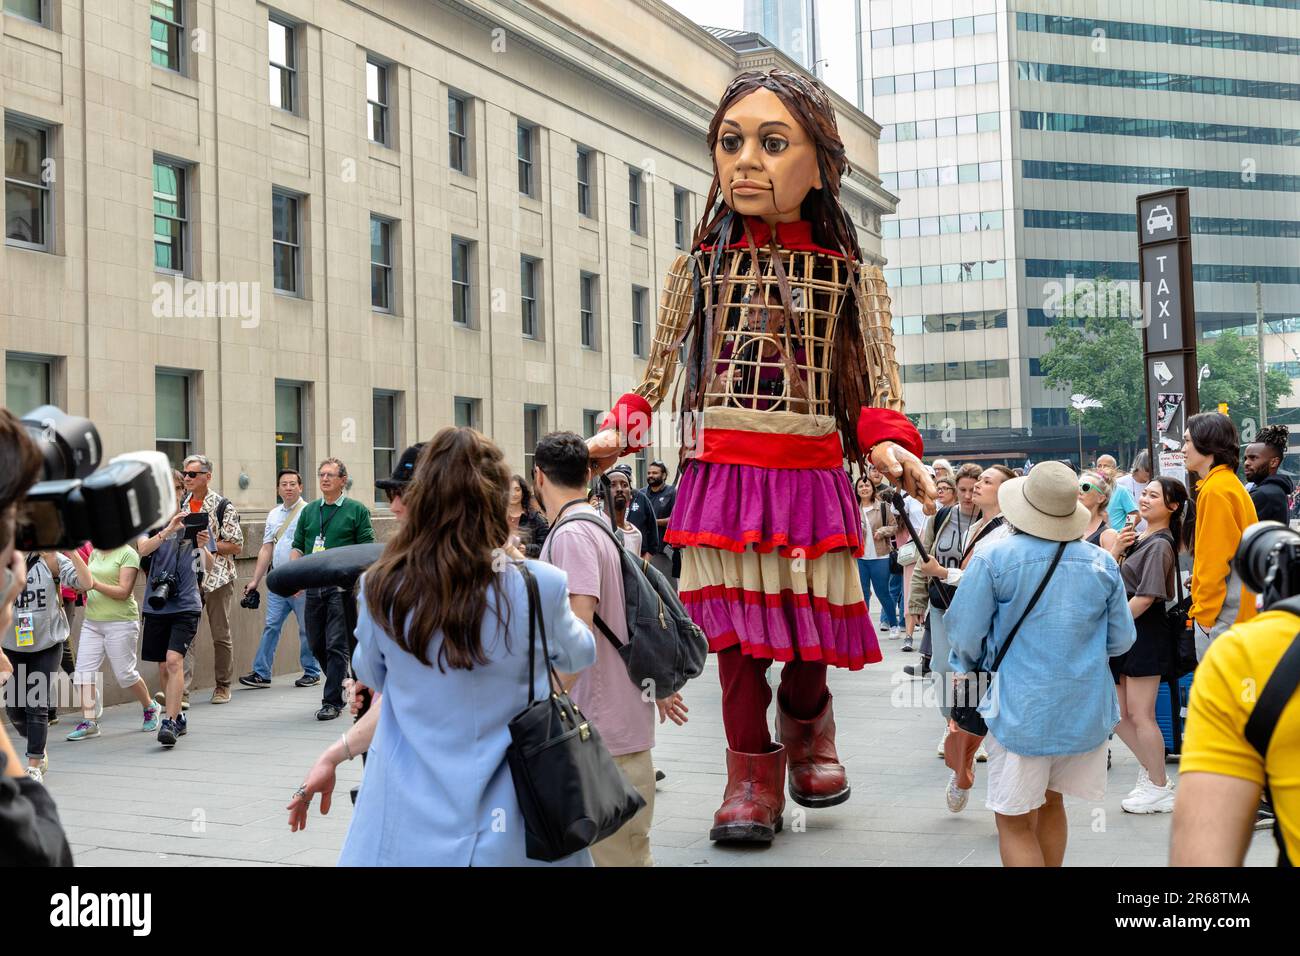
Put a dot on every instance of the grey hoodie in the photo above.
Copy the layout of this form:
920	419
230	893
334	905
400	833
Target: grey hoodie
40	606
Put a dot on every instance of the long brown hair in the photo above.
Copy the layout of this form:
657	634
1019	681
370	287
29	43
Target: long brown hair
809	103
435	573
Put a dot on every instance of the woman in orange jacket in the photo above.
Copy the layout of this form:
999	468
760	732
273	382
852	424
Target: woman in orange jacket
1223	511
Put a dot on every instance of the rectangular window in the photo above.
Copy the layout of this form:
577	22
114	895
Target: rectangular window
927	177
987	122
970	221
987	23
889	228
591	420
283	71
986	73
681	213
882	85
584	182
534	429
944	78
170	227
881	38
468	413
904	83
909	228
587	310
27	9
528	295
638	321
990	171
947	175
907	179
942	29
634	201
968	173
929	225
949	224
991	220
925	129
377	102
29	382
967	124
386	428
381	263
921	32
524	143
965	75
286	242
902	35
173	414
458	133
945	126
167	33
963	26
925	80
28	197
461	300
290	413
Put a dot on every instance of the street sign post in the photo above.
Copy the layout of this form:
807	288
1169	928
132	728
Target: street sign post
1169	324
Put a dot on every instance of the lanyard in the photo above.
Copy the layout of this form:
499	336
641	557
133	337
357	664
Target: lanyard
325	522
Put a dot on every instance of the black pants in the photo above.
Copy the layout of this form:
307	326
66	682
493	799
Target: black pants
28	700
331	617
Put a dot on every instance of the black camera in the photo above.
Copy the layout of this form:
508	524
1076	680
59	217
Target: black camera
161	588
252	600
77	501
1268	561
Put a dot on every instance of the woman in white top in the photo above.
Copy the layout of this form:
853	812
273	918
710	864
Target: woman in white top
873	566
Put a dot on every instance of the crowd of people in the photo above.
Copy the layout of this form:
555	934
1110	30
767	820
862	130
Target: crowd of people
1082	569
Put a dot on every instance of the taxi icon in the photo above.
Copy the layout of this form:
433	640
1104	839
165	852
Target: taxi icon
1159	218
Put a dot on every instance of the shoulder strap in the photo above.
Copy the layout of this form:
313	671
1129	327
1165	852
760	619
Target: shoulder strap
535	623
596	520
1277	693
1056	559
222	505
288	520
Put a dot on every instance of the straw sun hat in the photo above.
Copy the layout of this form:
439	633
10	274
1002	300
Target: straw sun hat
1045	503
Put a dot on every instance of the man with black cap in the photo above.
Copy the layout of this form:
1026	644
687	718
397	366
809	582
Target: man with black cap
662	498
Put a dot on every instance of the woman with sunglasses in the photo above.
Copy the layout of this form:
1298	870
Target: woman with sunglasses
1094	494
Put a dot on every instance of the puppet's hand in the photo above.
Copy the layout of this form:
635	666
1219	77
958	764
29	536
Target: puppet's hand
905	470
604	448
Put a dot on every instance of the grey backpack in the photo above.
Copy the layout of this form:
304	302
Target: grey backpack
665	648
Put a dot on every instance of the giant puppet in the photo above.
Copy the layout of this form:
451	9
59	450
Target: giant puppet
789	369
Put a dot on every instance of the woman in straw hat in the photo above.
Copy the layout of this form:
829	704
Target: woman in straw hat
1052	704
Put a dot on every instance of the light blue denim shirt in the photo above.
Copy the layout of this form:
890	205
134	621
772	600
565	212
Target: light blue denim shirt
437	790
1054	693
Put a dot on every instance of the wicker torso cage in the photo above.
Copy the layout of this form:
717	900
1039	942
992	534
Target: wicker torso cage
760	359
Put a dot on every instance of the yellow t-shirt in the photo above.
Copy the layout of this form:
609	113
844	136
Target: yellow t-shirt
1228	682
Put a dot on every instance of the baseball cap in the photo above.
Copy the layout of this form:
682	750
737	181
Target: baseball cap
624	470
402	473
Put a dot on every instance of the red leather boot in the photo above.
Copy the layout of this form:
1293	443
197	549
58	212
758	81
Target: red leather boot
817	777
754	798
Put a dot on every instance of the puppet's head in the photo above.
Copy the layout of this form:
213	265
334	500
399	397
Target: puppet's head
778	156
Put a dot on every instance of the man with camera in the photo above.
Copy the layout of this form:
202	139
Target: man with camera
331	521
218	586
178	554
277	546
1243	722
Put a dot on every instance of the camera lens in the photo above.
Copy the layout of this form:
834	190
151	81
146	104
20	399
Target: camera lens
1256	554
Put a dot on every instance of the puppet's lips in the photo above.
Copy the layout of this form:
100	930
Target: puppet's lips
747	187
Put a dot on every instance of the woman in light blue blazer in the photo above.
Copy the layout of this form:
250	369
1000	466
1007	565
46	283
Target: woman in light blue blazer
437	790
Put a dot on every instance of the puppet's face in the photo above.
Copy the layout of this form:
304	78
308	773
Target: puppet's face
766	162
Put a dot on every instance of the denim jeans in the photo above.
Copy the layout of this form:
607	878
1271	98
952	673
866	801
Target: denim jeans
277	612
874	574
896	597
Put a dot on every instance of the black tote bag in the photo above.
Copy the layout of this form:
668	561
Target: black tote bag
570	791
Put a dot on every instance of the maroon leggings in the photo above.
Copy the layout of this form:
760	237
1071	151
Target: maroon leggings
746	696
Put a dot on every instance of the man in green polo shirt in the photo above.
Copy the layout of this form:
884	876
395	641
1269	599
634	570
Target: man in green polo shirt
331	521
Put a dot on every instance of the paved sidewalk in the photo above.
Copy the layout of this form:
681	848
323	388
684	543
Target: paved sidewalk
218	798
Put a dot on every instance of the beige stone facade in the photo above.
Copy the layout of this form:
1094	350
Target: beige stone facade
631	80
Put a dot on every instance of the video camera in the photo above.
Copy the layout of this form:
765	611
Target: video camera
77	501
1268	561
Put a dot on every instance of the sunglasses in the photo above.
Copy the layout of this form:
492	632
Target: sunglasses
1087	486
192	474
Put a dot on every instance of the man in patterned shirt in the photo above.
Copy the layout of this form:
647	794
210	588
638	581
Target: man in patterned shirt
219	583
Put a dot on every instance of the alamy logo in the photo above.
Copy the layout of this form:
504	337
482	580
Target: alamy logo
76	909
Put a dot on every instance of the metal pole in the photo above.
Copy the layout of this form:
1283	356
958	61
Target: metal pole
1259	334
1081	441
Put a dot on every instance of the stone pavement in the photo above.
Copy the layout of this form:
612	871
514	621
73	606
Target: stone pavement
218	798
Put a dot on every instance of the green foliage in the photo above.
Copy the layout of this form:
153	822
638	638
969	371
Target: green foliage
1234	378
1100	356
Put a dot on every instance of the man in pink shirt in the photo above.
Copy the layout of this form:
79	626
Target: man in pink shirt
622	712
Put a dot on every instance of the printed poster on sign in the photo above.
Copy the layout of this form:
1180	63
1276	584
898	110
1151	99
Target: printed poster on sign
1174	465
1169	405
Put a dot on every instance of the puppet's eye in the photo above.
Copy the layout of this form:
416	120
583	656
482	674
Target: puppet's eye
775	144
730	142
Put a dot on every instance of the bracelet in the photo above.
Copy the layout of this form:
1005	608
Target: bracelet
346	749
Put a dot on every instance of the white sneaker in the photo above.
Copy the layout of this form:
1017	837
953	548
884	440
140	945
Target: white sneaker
981	755
36	774
943	740
1144	779
895	633
956	797
1150	799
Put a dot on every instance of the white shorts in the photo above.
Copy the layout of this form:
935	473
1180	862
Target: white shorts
1019	784
115	640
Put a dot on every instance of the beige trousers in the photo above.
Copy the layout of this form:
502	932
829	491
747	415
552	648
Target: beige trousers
630	846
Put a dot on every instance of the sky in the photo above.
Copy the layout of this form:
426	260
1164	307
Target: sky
835	33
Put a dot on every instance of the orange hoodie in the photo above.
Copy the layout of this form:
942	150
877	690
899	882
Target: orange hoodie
1223	511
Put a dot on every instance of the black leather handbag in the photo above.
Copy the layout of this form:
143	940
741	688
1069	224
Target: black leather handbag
965	713
1182	637
570	791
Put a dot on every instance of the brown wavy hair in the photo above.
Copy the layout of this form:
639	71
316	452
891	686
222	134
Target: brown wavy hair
20	466
435	573
809	103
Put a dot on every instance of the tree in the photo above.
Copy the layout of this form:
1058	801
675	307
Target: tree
1097	350
1234	379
